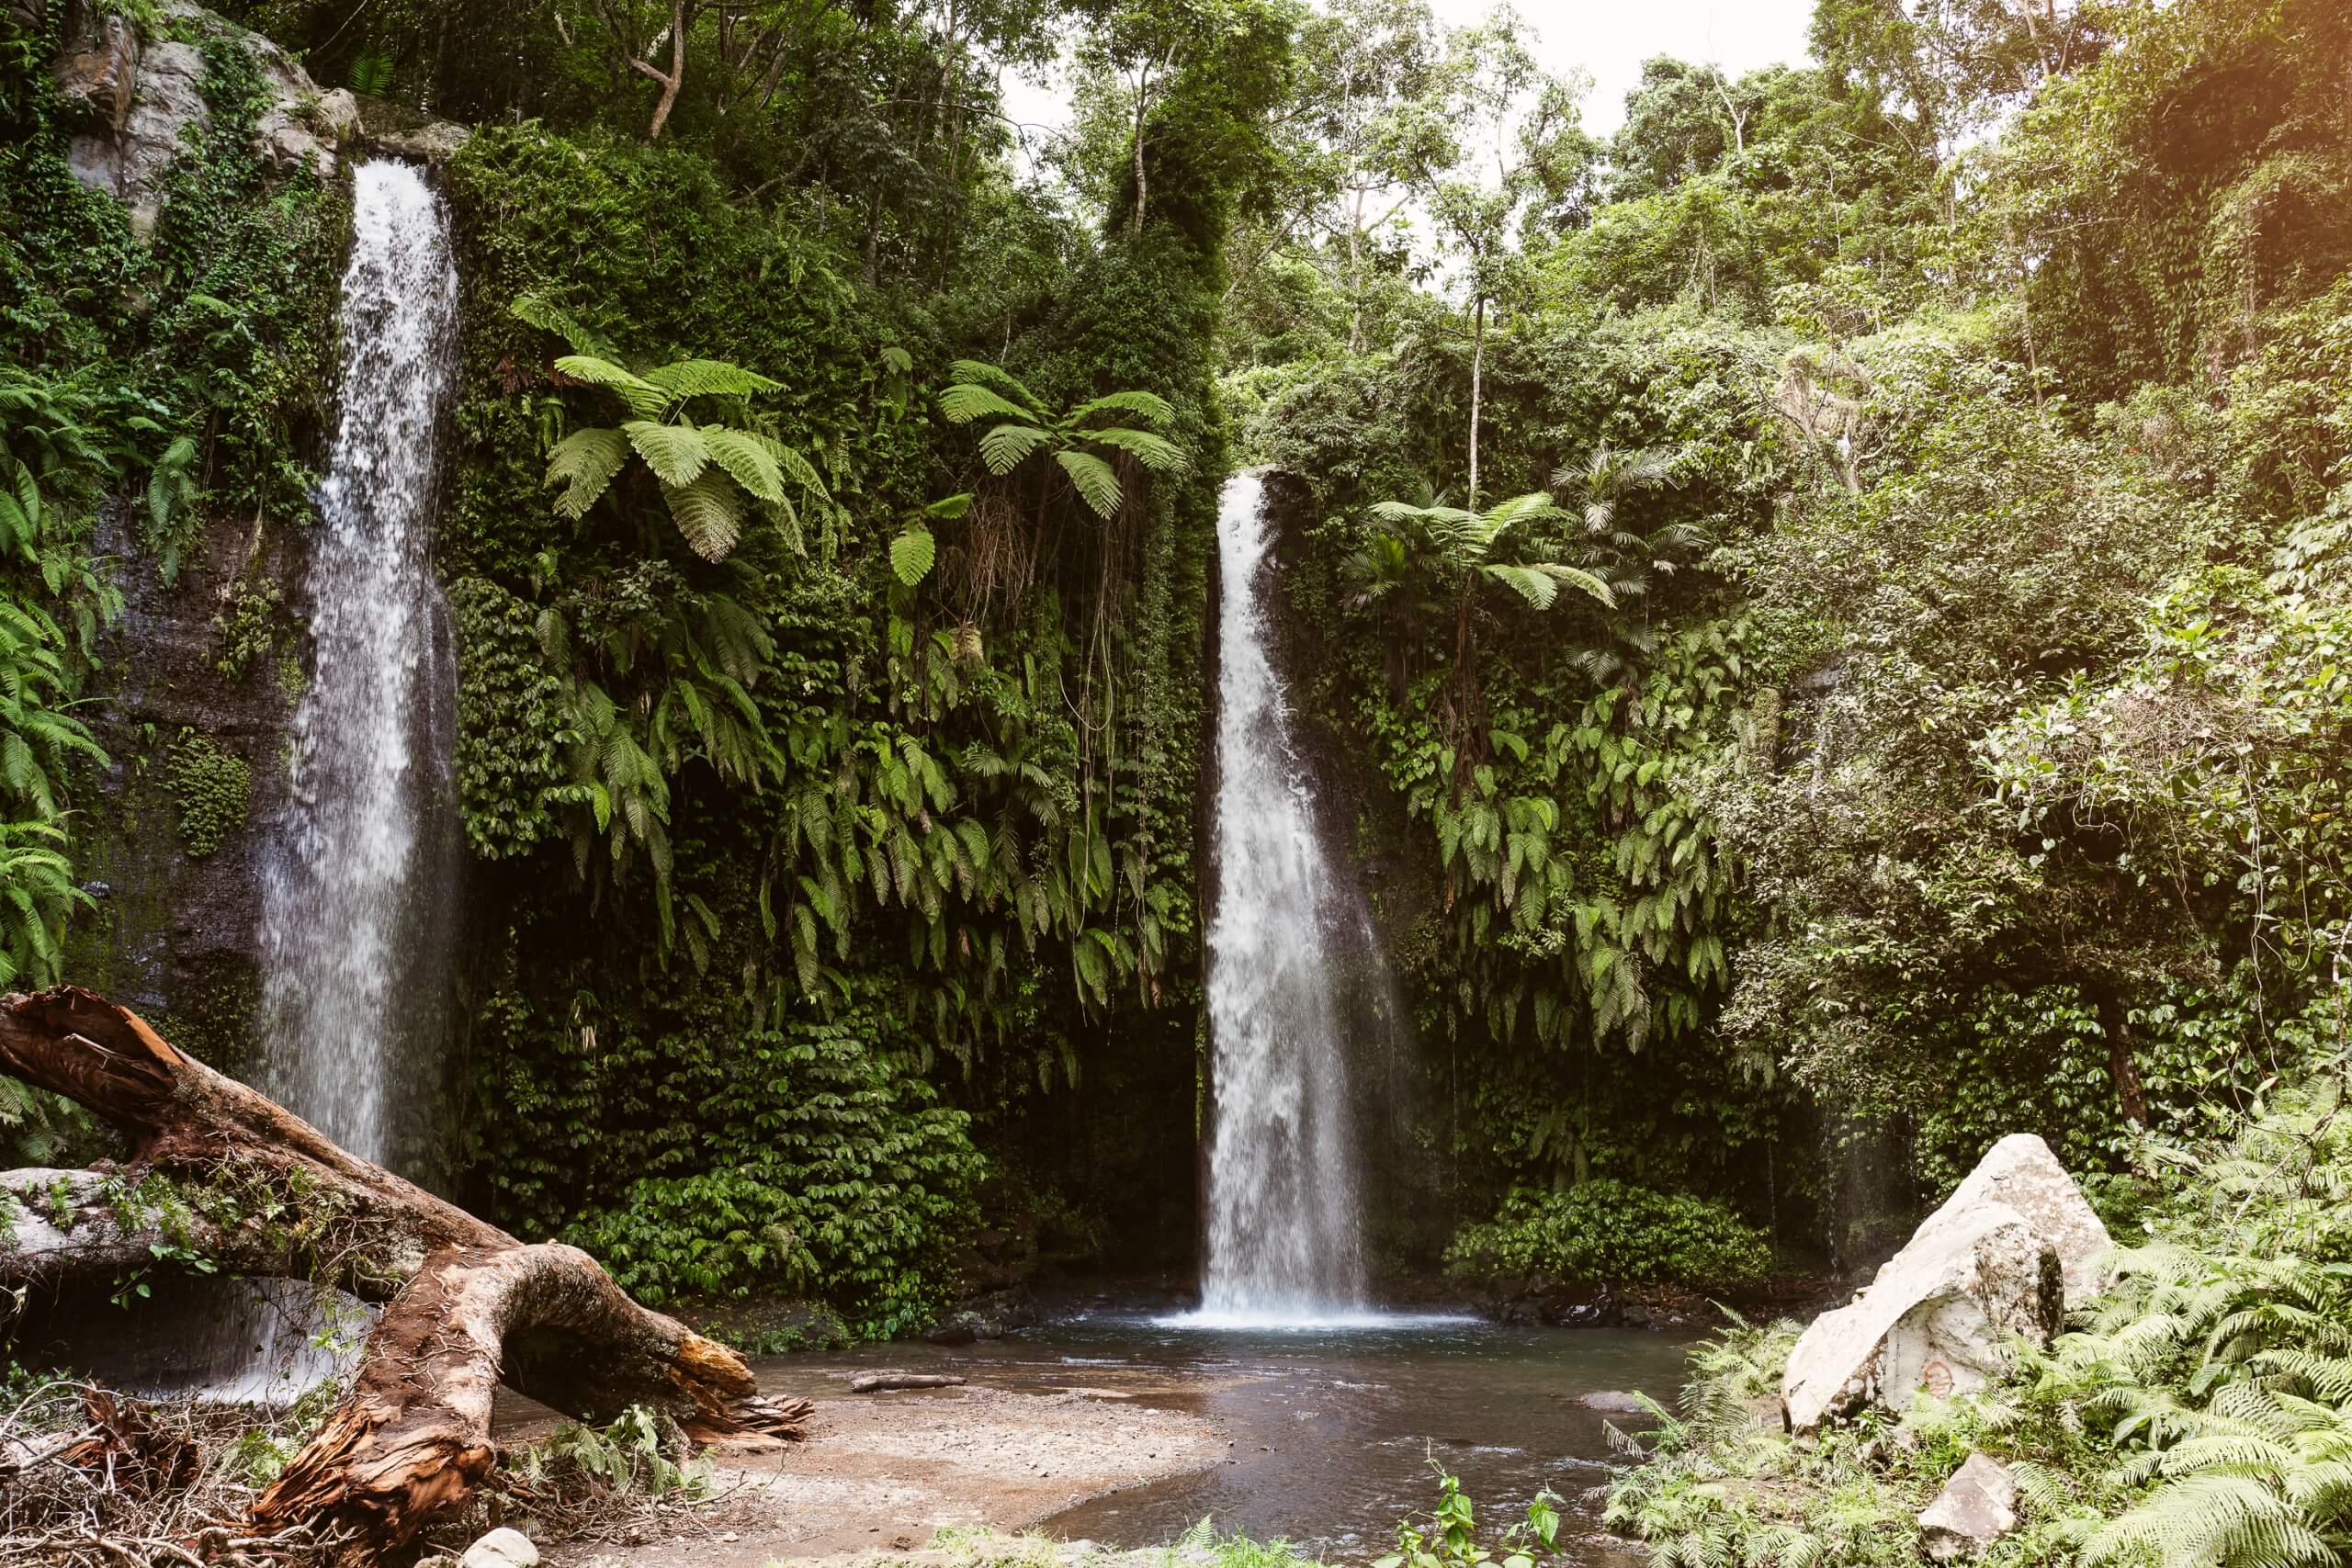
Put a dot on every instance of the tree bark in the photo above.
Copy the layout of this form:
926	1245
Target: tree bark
1477	376
676	76
219	1172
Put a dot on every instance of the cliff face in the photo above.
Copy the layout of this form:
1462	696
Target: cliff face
194	706
200	673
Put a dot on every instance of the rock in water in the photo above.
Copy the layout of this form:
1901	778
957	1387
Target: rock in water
2000	1257
1977	1506
502	1547
1612	1401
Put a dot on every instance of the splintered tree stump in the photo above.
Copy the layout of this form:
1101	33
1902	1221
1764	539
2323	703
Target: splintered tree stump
220	1172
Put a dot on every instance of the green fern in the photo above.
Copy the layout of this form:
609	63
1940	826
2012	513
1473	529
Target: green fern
711	473
980	390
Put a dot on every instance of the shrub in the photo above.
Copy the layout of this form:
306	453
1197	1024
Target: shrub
1612	1231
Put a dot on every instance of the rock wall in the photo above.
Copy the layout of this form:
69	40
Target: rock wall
170	849
196	694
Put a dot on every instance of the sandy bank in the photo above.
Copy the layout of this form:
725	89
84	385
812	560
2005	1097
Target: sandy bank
883	1473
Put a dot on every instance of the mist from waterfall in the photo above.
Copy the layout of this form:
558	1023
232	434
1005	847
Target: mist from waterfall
1285	1215
356	911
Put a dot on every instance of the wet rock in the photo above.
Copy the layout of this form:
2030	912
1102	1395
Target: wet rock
98	68
1634	1315
961	1328
1977	1506
400	132
502	1547
1616	1402
1998	1259
336	115
135	99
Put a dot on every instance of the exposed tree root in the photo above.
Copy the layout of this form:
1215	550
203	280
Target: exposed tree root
219	1172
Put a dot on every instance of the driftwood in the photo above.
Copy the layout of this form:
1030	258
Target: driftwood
219	1172
884	1382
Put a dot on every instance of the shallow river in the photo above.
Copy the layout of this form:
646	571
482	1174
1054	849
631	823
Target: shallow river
1334	1431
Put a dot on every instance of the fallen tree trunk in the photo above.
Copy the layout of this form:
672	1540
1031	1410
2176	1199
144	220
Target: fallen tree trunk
219	1173
891	1381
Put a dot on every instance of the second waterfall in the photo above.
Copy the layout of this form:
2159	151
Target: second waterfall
356	930
1285	1215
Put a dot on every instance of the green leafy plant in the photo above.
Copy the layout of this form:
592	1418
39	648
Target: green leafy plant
371	72
213	788
1086	448
1605	1230
1447	1537
709	471
36	894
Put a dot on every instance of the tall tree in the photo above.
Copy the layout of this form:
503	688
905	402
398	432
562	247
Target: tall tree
1514	112
1382	128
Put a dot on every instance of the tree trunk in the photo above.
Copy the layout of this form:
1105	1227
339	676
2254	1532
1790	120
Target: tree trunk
677	74
1477	373
2123	1066
1355	276
219	1172
1143	183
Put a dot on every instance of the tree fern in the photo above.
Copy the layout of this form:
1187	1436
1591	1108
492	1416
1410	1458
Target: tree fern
711	472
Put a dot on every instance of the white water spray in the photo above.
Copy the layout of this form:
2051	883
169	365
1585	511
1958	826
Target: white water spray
1286	1231
354	936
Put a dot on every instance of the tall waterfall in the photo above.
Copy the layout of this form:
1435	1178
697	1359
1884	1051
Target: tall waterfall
355	931
1285	1232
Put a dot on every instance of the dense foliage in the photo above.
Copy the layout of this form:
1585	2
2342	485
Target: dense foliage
2196	1414
1608	1232
1823	608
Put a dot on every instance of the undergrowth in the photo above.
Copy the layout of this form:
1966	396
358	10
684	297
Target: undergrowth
2197	1411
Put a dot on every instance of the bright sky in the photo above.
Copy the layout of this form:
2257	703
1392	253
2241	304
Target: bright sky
1611	38
1608	37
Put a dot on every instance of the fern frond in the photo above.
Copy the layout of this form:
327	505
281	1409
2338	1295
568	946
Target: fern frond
584	463
676	453
708	513
1097	481
645	400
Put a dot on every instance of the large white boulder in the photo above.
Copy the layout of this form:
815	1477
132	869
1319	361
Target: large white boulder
2021	1171
1996	1263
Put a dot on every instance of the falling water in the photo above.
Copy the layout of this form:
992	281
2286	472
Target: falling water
355	930
1285	1232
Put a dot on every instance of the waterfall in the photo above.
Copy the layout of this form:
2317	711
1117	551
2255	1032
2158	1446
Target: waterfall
355	929
1284	1227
